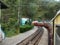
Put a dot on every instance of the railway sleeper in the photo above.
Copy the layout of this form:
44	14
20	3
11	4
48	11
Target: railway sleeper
35	40
31	38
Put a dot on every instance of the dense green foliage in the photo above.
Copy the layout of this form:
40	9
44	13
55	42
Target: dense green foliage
32	9
10	32
25	28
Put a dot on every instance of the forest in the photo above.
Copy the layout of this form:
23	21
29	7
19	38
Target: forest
32	9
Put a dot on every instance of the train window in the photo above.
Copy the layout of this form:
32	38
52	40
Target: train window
58	30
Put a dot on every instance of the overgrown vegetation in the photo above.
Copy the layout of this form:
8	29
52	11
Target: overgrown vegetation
25	28
32	9
13	31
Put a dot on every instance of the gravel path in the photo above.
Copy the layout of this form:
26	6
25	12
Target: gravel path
44	38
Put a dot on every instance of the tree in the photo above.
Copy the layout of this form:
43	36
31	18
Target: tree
10	15
27	8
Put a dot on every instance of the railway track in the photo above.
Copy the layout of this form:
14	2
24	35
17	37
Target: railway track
33	39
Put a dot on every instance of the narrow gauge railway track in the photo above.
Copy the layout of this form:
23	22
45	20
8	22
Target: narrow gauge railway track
33	39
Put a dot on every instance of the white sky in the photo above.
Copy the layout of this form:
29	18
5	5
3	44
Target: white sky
57	0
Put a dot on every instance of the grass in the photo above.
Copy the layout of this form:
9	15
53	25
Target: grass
10	33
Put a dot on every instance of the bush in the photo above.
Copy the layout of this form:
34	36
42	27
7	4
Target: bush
11	32
8	30
25	28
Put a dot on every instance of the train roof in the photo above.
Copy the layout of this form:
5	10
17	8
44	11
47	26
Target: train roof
57	14
2	5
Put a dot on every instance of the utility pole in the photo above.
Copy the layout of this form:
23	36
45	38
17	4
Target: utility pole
18	27
18	17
